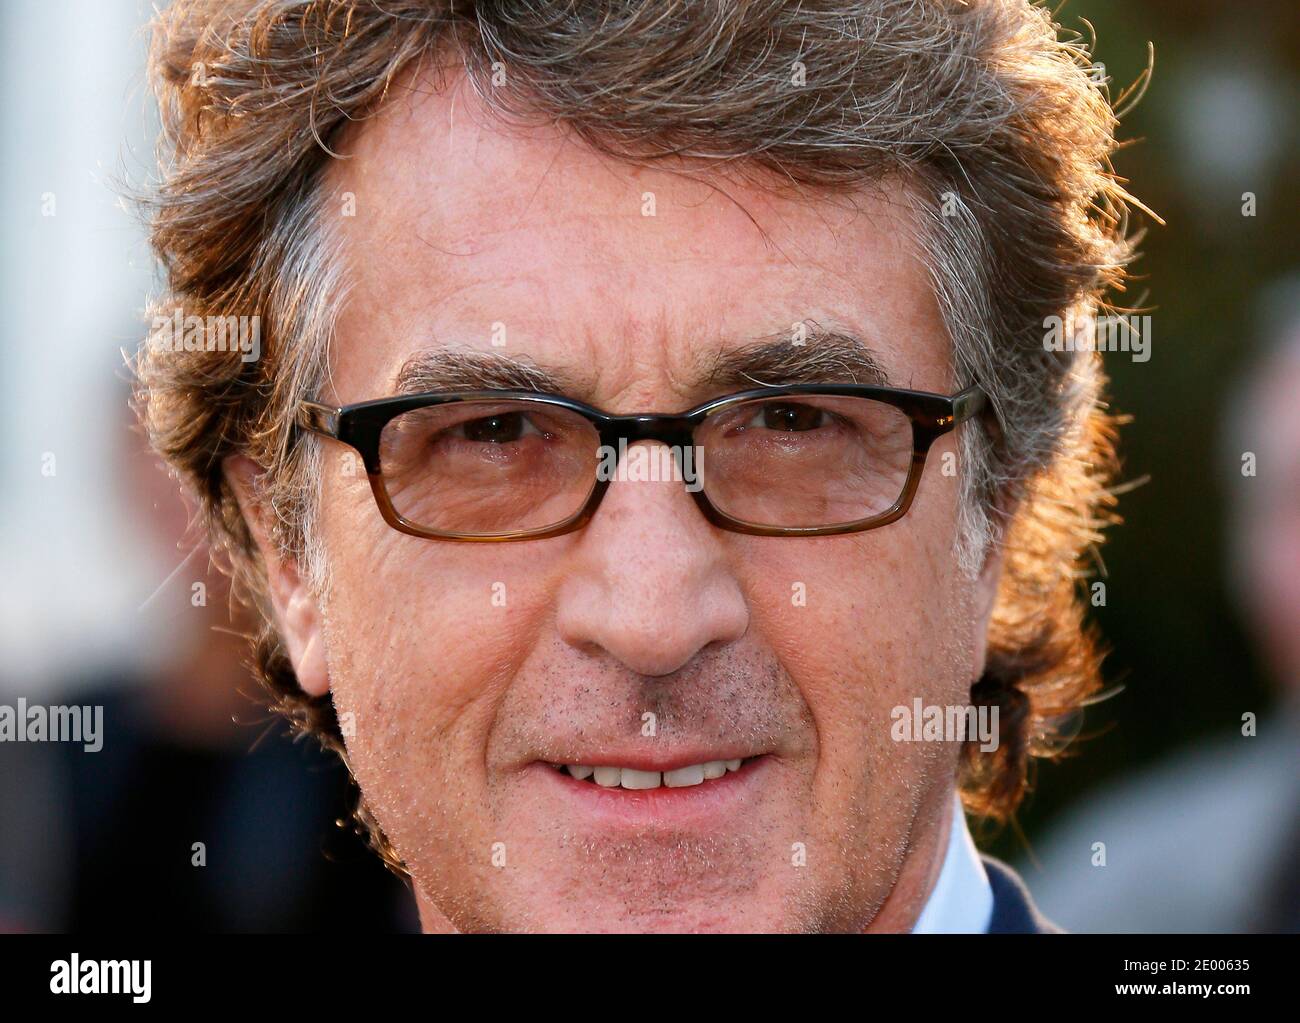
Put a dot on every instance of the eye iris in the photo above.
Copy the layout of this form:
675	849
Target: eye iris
498	429
791	418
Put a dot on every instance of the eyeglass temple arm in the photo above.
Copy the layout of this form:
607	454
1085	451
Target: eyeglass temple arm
318	418
970	402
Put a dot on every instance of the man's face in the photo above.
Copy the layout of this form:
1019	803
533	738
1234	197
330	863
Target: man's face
467	670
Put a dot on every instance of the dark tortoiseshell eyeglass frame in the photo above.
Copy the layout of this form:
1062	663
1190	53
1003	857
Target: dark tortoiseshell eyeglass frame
360	425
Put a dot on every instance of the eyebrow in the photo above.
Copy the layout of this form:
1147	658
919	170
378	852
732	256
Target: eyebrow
773	360
817	357
453	369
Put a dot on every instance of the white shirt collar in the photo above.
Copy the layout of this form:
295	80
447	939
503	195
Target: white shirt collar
962	900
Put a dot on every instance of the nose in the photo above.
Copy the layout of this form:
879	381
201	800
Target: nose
650	584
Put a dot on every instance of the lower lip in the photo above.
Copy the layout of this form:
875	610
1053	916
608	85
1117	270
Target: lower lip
693	804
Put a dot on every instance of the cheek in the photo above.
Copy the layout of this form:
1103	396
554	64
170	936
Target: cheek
867	622
423	638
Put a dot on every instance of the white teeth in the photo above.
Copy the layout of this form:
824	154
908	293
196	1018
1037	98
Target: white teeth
609	777
684	777
631	778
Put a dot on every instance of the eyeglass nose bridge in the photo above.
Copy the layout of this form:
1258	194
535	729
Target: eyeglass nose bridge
671	430
676	432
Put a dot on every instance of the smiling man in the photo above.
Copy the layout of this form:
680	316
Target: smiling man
496	249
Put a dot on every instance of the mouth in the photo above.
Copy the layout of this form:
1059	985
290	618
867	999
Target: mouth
700	794
634	779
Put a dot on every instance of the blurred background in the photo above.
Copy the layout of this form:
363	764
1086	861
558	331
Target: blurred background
1178	808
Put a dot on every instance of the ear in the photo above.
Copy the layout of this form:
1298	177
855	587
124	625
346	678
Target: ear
297	613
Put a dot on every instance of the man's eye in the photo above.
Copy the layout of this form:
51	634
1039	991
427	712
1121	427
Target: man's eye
789	418
505	428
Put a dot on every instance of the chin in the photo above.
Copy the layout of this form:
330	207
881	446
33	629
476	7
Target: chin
620	899
702	915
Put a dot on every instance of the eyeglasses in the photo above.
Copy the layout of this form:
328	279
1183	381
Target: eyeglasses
801	460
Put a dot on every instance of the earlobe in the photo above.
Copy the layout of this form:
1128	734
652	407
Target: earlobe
301	633
297	612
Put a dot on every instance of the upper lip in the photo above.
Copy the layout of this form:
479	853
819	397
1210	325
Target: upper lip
651	760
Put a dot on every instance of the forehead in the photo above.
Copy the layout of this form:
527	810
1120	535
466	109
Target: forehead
522	242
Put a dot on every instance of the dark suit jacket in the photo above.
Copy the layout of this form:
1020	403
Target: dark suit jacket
1013	910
